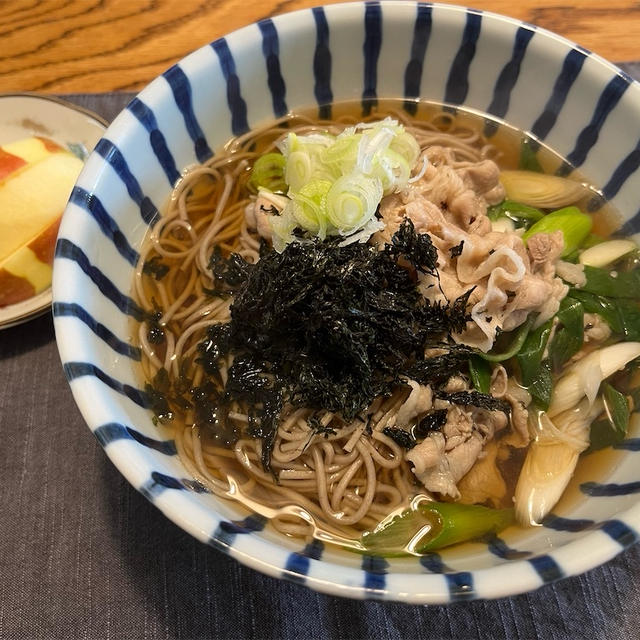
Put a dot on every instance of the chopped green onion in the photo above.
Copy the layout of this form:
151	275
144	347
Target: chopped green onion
574	224
480	373
268	173
434	525
352	201
309	207
541	387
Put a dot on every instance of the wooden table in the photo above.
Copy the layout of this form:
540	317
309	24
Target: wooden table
67	46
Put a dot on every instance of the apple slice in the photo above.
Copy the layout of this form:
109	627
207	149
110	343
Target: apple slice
33	196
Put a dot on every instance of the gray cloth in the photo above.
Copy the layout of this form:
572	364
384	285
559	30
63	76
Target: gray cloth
85	556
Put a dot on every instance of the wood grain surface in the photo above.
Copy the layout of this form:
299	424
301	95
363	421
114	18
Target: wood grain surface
64	46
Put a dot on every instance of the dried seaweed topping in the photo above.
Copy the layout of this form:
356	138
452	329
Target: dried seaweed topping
155	267
401	437
330	327
433	421
475	399
457	250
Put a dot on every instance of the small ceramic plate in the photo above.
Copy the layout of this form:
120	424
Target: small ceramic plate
27	114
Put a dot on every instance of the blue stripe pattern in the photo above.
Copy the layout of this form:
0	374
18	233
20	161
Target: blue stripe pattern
92	205
374	568
499	548
570	69
620	532
413	72
116	160
147	119
458	80
226	532
113	431
61	309
631	444
75	370
632	226
433	562
507	79
322	65
628	166
589	135
67	249
297	564
159	482
271	52
598	490
460	586
237	105
557	523
371	51
547	568
181	89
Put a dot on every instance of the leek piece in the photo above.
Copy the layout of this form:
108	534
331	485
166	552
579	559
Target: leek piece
514	339
480	373
268	173
574	224
603	254
569	334
434	525
624	284
541	190
613	428
541	387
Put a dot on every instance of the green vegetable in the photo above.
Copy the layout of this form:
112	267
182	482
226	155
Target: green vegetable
508	344
268	173
480	372
528	156
574	224
309	207
613	429
625	284
521	214
434	525
541	386
569	334
622	315
530	355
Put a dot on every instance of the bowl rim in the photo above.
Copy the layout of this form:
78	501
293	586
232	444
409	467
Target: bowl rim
417	588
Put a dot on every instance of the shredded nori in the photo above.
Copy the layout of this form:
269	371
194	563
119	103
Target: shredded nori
457	250
155	267
433	421
326	327
401	437
475	399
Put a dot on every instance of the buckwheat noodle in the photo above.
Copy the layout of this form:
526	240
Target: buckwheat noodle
340	484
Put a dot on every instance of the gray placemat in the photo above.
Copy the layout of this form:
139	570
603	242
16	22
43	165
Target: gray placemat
83	555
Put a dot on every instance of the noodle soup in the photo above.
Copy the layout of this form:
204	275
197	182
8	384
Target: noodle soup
385	334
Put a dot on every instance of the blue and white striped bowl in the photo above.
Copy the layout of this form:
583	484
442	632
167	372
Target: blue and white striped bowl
583	107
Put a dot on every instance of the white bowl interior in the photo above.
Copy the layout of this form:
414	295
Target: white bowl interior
486	62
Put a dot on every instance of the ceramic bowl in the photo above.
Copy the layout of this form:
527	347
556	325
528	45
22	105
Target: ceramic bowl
580	105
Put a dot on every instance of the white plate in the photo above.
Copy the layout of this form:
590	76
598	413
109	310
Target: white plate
27	114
